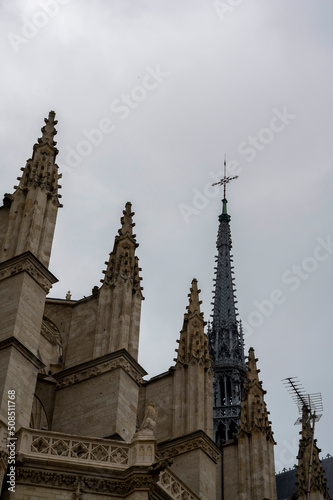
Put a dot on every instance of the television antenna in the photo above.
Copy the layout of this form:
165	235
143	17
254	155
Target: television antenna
313	405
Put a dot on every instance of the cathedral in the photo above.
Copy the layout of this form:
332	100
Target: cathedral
78	421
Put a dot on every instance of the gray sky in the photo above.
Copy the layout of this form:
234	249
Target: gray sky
172	86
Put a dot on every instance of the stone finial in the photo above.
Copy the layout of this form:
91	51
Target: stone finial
68	295
193	345
194	302
252	370
49	130
126	221
254	412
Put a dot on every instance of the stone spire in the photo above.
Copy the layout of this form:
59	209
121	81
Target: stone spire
32	208
225	337
307	447
254	414
193	346
120	296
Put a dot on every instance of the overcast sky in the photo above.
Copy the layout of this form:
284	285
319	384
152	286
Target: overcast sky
149	96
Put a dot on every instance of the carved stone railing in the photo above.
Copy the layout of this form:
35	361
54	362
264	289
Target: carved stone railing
68	448
106	453
93	451
172	485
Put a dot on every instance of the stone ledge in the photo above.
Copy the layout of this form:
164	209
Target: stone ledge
27	262
14	342
98	366
184	444
156	478
116	484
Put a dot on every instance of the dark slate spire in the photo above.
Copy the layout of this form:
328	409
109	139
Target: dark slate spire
225	311
225	334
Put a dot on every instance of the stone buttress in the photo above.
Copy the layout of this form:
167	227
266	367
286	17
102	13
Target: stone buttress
97	387
183	397
27	222
119	305
248	460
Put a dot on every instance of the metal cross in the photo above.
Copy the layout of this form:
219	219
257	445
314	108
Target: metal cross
223	182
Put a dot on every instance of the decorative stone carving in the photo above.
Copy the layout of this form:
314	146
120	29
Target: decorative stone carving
189	444
149	421
77	487
96	370
32	476
28	263
74	449
50	332
88	484
174	487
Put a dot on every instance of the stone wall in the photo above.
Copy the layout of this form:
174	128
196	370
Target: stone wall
21	309
159	390
81	336
100	406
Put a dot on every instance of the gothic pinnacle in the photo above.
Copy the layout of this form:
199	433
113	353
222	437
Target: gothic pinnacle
123	264
35	202
253	409
193	345
41	170
310	475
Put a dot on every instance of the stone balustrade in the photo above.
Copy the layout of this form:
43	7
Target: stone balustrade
65	447
58	447
172	485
